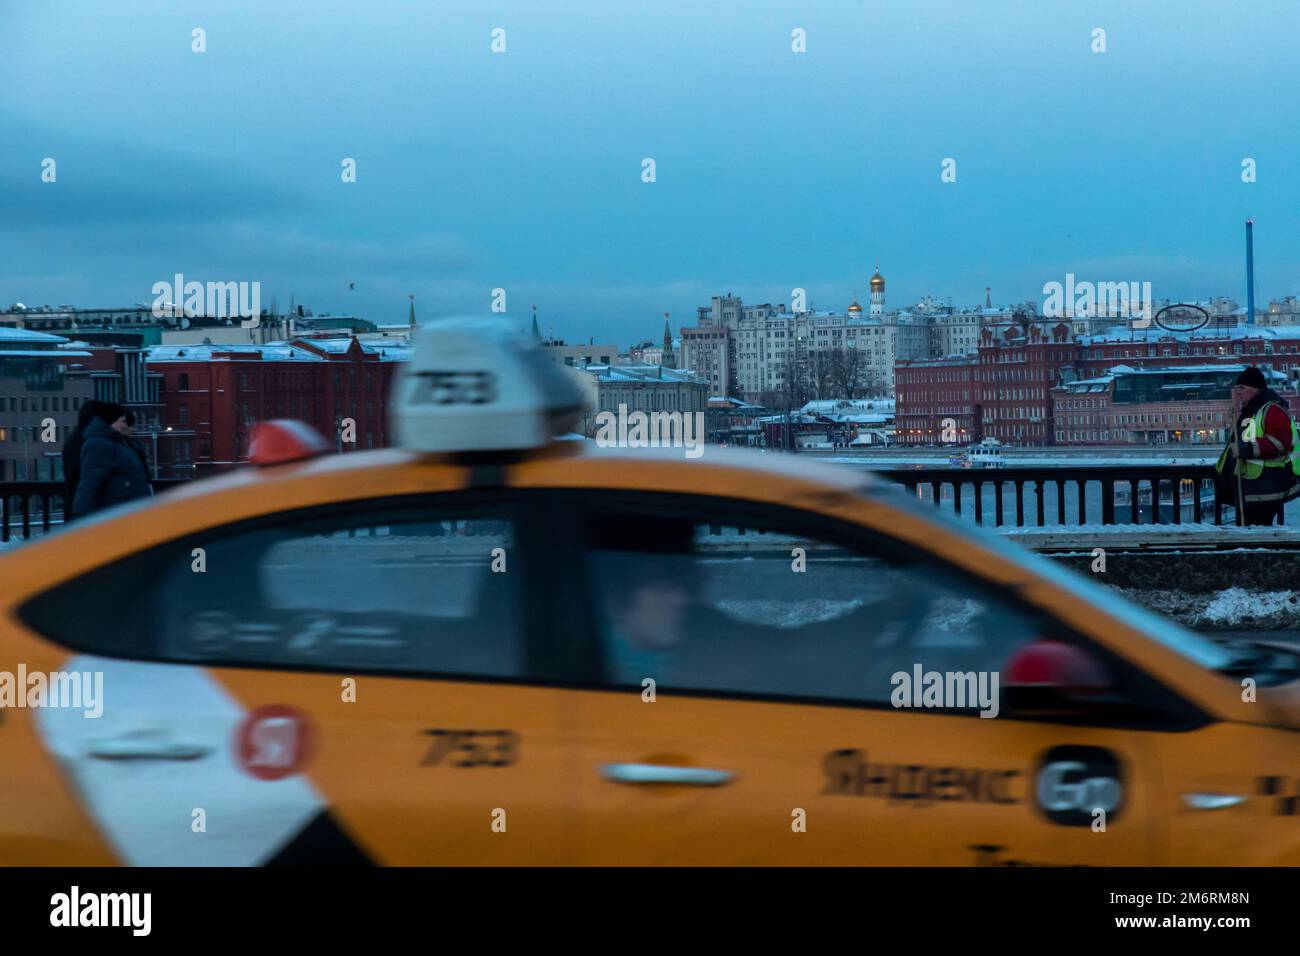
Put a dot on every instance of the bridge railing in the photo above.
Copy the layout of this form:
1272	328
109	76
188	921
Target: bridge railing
1078	495
1084	494
26	506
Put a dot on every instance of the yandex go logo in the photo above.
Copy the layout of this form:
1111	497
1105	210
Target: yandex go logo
1074	782
274	742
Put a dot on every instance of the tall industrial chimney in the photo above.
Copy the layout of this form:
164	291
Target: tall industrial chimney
1250	272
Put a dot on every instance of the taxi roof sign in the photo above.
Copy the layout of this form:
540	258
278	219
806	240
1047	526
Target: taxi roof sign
478	385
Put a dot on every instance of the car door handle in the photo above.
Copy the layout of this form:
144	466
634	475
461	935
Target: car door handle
1212	801
131	747
660	773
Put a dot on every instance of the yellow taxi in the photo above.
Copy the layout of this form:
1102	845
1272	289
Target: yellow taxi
490	647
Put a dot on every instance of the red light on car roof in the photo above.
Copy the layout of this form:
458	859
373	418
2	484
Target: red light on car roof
1055	664
283	440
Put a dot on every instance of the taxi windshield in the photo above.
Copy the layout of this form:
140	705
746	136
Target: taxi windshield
1201	651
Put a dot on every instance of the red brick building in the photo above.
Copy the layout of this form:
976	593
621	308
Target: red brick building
1017	371
929	393
1016	374
1002	392
340	386
1277	346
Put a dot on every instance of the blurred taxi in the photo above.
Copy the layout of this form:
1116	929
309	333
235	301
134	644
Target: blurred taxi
490	647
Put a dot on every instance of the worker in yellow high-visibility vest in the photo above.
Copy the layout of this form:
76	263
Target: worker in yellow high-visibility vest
1259	470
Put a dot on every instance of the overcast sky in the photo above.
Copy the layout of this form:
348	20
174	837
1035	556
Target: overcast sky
523	170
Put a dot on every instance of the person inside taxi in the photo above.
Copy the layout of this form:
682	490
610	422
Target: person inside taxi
646	626
684	617
667	616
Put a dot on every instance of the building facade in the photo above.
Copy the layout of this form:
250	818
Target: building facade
217	393
755	352
1008	381
579	356
41	393
1035	385
935	398
1178	405
641	388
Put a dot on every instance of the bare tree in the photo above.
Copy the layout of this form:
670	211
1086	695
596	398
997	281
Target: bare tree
790	394
792	386
821	372
848	368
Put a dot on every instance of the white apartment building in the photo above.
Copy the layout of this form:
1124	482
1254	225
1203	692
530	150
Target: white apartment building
744	351
757	353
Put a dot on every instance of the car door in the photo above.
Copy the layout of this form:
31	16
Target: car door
1231	794
749	708
366	682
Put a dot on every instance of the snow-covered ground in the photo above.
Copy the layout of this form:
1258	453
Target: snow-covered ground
1228	610
1164	536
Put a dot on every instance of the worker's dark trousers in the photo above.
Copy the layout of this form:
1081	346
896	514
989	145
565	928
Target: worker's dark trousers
1263	513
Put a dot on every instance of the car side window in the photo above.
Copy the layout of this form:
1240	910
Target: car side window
705	606
379	593
401	591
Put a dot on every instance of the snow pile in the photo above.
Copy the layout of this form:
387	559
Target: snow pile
1238	606
1230	609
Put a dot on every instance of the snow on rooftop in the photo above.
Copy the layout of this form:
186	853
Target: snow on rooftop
1098	381
332	345
1240	330
642	372
213	352
42	353
28	335
281	351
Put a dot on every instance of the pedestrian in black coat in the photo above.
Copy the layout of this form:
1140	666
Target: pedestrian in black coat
72	455
139	450
112	466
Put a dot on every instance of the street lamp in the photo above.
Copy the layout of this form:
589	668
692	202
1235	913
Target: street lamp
154	435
